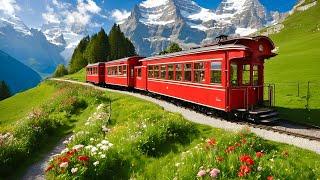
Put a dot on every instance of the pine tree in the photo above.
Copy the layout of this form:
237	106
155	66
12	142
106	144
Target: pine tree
4	91
114	42
90	53
103	48
78	61
60	71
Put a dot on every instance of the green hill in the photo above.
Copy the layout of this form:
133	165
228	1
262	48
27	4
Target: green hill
297	63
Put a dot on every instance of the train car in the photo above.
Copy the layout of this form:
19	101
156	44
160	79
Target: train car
226	76
121	72
95	73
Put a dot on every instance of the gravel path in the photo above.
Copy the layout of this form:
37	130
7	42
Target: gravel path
36	171
230	126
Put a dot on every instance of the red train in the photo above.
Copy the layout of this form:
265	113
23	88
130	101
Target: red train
227	76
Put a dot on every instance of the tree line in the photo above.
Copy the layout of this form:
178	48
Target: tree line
100	47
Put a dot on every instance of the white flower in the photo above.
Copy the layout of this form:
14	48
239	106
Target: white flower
99	145
105	142
89	147
78	147
87	124
272	160
144	126
103	156
64	165
65	142
93	149
259	168
74	170
177	164
64	151
110	144
104	147
96	163
91	139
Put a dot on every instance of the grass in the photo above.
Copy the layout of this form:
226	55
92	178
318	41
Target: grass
145	137
298	61
17	107
78	76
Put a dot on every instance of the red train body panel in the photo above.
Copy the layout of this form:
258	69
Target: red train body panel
225	76
95	73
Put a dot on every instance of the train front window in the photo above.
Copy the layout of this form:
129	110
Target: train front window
170	72
255	72
215	73
199	72
187	72
246	74
163	72
234	74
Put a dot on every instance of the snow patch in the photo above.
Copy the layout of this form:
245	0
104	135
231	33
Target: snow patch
305	7
204	15
198	26
245	31
153	3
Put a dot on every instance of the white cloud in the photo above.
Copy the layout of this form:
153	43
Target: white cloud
9	7
120	15
50	17
90	6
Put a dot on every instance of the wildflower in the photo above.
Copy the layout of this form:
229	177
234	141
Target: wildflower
64	151
230	149
96	163
78	147
64	165
105	142
103	156
243	141
71	152
104	147
91	139
237	145
110	144
214	172
211	142
259	154
270	178
285	153
244	170
177	164
63	159
201	173
65	142
246	159
49	168
259	168
74	170
219	159
83	158
272	160
93	149
105	129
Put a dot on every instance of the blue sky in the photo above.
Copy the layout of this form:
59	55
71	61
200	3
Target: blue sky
31	11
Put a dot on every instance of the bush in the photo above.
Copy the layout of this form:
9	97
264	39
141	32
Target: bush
60	71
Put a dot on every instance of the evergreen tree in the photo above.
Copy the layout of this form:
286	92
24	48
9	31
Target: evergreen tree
60	71
173	47
90	53
131	51
78	61
103	48
4	91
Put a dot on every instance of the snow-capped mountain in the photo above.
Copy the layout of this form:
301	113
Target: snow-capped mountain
29	46
65	37
153	24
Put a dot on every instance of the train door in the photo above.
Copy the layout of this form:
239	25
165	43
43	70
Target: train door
131	77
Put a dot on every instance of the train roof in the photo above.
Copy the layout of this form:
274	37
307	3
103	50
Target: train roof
123	59
227	44
95	64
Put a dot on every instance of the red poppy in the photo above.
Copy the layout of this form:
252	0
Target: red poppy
270	178
219	159
71	152
244	170
49	168
83	158
237	145
230	149
211	142
63	159
244	141
247	159
259	154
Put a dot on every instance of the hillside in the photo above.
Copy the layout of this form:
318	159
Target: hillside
297	62
18	76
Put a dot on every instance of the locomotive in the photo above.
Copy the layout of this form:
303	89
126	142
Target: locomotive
227	76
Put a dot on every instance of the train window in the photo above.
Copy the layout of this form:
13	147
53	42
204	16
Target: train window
150	71
234	74
246	74
199	72
178	72
215	72
139	72
187	71
163	72
255	75
119	70
156	71
170	72
124	70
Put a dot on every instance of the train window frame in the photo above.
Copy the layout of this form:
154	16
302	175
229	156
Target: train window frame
234	77
255	77
199	72
163	71
179	70
189	70
216	71
139	72
119	70
124	70
156	71
245	82
170	71
150	71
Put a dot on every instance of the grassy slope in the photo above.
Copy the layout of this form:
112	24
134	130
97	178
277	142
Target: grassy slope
78	76
298	61
18	106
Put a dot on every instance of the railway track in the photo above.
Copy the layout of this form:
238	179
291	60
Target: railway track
216	114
